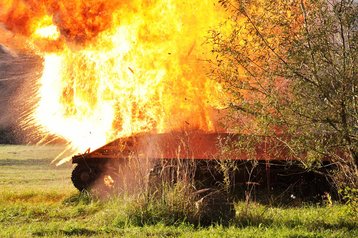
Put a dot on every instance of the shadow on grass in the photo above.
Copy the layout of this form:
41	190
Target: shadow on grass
73	231
78	231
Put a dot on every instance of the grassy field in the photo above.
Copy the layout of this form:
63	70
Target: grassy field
38	199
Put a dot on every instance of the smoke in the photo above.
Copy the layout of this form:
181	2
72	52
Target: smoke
18	73
6	51
7	87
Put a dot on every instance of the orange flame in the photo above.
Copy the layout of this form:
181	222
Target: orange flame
114	68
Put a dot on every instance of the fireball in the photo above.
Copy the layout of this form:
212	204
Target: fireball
115	68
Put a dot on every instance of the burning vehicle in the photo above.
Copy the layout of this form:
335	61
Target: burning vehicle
208	160
117	68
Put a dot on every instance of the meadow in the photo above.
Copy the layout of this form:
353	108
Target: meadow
37	199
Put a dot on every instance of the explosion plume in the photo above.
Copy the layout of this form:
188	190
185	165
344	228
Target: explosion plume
114	68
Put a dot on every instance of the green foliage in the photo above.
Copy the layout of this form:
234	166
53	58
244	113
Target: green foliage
173	206
291	69
83	198
350	196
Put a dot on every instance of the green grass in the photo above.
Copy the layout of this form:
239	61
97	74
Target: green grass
37	199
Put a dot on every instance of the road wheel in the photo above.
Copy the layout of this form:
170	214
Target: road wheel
107	184
83	176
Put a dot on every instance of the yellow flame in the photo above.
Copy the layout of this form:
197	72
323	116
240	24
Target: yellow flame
146	72
46	29
108	181
89	129
49	32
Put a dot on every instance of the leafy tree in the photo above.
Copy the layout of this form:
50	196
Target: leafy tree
290	68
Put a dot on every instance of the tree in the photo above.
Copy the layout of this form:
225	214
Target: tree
291	70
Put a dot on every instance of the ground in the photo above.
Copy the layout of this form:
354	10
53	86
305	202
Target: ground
38	199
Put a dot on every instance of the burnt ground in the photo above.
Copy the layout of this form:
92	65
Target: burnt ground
18	75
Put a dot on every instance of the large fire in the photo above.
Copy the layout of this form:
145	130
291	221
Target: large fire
114	68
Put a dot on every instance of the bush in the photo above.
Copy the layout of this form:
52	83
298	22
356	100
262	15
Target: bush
180	204
350	196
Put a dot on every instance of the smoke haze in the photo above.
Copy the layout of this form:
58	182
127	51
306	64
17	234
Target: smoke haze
17	79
